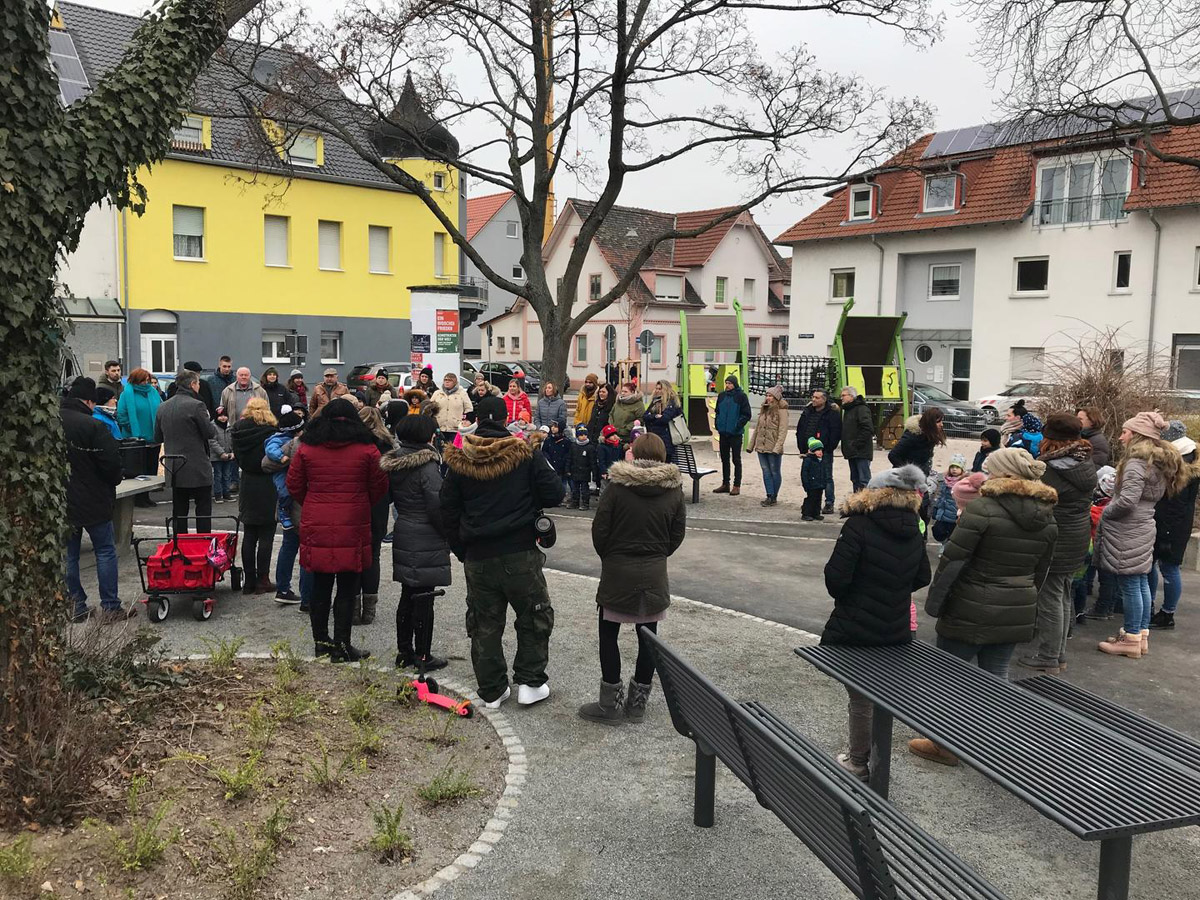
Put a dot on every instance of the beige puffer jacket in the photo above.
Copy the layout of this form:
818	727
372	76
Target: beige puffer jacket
1124	543
451	407
770	433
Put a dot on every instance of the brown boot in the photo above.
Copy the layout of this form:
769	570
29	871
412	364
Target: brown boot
927	749
369	603
1123	645
723	489
264	586
1145	642
734	491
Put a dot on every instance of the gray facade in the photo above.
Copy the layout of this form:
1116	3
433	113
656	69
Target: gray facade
502	253
206	336
937	332
93	344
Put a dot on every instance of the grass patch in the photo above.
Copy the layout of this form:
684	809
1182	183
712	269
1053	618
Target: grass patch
147	842
323	774
17	861
448	786
439	730
392	842
222	653
368	740
250	858
243	780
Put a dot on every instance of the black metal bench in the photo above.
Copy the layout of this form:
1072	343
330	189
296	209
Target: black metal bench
1147	732
686	460
866	842
1023	742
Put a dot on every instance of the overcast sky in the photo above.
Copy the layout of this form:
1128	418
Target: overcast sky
945	76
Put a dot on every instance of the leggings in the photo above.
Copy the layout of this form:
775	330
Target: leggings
343	605
257	543
414	621
610	653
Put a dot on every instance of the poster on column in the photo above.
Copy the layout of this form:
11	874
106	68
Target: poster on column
446	321
435	330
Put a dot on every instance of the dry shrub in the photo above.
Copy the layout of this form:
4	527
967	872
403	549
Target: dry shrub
1100	370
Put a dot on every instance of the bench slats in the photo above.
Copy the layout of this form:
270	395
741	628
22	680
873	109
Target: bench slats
685	459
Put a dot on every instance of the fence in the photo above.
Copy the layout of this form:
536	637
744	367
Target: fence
798	375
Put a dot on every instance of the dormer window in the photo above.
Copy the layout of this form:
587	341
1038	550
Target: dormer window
668	287
189	133
940	193
304	150
862	202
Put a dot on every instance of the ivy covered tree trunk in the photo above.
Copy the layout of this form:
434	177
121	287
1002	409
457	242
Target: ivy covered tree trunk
56	163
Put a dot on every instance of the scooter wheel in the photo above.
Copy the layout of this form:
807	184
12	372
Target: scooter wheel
468	711
432	685
158	608
202	609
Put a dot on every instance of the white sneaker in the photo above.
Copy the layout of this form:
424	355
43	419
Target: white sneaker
495	704
527	695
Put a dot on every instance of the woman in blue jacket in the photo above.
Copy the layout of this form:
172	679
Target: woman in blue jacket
664	406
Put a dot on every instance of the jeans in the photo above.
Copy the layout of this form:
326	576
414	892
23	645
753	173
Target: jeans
610	652
105	546
1172	585
257	543
731	447
772	469
581	494
285	565
343	606
223	473
992	658
827	459
1055	610
1135	594
181	501
860	473
861	711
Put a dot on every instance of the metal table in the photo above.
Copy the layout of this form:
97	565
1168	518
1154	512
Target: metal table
123	509
1023	742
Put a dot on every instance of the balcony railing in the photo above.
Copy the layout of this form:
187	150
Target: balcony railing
1077	210
474	287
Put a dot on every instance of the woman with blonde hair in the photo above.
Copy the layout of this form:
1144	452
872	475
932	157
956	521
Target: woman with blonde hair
1124	543
257	498
770	434
664	406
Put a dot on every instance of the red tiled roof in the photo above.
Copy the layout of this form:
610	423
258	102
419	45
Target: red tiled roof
695	251
481	209
1166	183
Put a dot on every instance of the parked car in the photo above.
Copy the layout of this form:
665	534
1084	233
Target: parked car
961	417
995	406
362	375
468	373
534	368
501	373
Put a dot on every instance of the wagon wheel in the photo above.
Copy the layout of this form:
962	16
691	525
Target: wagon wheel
235	578
202	609
158	607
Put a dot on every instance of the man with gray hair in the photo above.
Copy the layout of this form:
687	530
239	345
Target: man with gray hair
184	430
235	397
858	437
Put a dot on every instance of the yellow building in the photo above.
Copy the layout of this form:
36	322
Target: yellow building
256	230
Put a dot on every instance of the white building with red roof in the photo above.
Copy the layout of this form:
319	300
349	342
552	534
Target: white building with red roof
494	230
702	274
1000	250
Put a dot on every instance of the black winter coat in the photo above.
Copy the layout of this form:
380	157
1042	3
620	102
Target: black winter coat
1173	519
825	425
913	448
493	490
1101	449
256	497
277	395
858	431
1072	474
877	563
203	391
420	553
95	465
980	459
558	453
641	520
583	461
600	416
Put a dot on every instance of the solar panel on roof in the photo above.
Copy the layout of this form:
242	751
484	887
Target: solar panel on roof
72	79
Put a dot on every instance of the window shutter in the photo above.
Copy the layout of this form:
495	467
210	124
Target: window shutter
275	240
329	245
379	238
189	220
439	253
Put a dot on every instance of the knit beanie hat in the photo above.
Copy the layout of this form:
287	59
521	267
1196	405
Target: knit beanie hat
490	408
290	422
905	478
581	429
776	391
1106	480
296	372
83	388
815	444
523	416
958	460
992	436
103	395
1148	424
591	378
1174	431
1062	426
1013	462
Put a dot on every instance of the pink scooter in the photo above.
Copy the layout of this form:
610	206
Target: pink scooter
427	688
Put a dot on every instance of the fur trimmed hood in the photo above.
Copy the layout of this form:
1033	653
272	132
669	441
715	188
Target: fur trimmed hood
491	389
415	395
871	499
913	424
407	458
646	473
488	458
1018	487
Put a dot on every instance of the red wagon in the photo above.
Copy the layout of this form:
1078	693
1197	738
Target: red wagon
188	564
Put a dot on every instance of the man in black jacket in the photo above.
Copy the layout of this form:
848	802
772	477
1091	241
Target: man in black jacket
95	471
821	420
494	490
204	391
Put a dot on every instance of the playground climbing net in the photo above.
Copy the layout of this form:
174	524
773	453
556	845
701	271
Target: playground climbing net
799	375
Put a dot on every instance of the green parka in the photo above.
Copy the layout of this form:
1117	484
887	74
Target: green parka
986	587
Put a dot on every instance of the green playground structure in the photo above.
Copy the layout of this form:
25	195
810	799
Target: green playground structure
702	333
869	356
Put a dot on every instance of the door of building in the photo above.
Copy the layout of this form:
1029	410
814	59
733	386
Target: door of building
960	373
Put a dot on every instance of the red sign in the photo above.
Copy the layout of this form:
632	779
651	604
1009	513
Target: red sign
417	359
446	321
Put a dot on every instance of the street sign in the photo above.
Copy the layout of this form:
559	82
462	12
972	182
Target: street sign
806	336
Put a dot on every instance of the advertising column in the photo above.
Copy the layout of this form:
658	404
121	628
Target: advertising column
435	330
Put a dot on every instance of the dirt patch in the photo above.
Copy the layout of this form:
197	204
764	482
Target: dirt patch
271	779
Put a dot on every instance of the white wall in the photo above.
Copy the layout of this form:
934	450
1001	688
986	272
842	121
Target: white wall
92	270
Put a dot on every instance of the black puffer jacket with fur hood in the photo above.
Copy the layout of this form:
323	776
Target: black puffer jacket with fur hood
878	562
420	554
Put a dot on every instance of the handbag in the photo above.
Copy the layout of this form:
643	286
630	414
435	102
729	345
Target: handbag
543	525
679	431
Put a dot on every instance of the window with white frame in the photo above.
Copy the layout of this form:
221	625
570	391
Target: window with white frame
1026	364
656	349
668	287
275	240
516	344
594	288
379	249
939	192
329	245
1185	359
749	292
753	346
274	346
500	343
710	356
439	254
302	151
945	281
188	225
518	273
439	181
841	285
331	346
512	229
1090	188
189	131
721	290
1196	271
581	349
779	345
861	202
1122	270
1031	275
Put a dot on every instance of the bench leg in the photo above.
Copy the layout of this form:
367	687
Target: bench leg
881	751
695	490
1116	855
706	788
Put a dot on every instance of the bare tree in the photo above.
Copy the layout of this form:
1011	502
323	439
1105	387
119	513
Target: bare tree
515	79
1072	66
